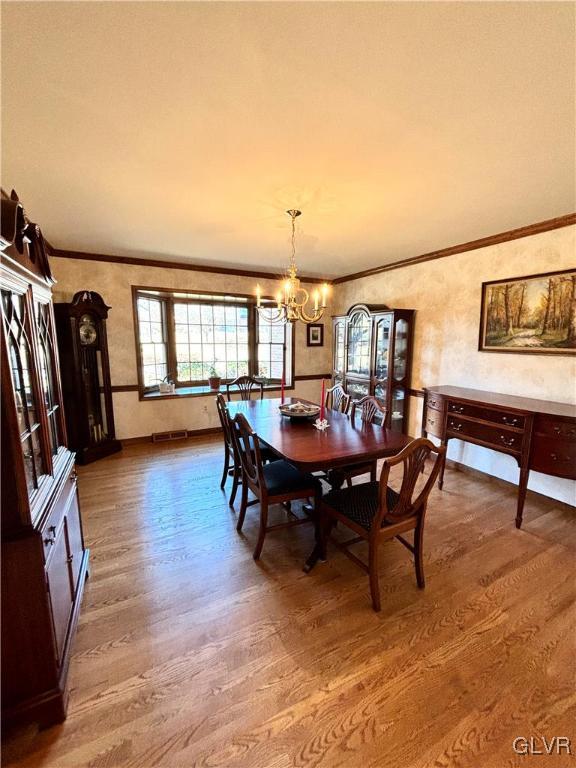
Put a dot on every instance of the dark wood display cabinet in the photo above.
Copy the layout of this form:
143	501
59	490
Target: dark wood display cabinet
85	369
540	435
372	355
44	560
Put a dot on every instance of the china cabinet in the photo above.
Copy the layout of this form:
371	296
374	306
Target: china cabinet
372	356
44	561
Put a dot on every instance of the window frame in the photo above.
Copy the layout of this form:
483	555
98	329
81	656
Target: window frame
200	387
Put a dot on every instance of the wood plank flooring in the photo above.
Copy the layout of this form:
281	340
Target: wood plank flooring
189	654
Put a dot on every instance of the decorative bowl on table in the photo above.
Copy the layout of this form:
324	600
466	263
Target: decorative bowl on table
299	410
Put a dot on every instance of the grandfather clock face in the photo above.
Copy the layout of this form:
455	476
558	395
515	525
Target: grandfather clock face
87	331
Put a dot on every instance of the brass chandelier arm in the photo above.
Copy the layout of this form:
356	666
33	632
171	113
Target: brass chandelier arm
310	318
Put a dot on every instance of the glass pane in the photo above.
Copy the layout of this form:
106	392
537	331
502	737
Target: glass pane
382	347
397	409
29	468
401	349
359	344
339	339
47	371
153	347
357	389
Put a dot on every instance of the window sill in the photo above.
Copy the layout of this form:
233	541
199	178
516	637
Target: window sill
200	391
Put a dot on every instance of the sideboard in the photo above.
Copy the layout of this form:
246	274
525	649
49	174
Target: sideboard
539	434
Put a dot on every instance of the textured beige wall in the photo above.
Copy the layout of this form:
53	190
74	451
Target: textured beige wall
446	296
113	281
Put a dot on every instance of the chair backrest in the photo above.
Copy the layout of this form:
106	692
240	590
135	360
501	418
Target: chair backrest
369	409
245	385
413	458
248	451
224	417
337	399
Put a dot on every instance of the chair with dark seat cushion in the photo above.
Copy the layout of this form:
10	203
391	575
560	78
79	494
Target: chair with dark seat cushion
232	466
376	513
276	483
245	385
369	410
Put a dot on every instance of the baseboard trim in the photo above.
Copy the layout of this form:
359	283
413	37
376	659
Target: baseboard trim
192	433
458	467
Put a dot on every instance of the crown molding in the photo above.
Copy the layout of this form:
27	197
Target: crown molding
501	237
139	262
483	242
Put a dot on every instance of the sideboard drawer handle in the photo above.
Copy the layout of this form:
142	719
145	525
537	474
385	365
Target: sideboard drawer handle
555	457
509	422
558	429
433	402
455	427
507	440
457	408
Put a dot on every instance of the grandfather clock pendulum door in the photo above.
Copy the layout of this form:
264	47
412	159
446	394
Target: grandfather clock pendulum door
83	347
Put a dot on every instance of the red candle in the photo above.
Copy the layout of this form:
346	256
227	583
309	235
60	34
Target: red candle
282	389
322	400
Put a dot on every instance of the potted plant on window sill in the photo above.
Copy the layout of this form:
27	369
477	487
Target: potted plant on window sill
166	386
214	380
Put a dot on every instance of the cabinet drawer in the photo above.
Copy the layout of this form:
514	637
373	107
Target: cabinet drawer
434	422
435	401
553	456
493	436
486	414
555	427
54	521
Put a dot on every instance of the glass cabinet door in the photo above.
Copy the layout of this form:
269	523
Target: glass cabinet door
359	328
401	350
18	328
339	350
382	348
49	375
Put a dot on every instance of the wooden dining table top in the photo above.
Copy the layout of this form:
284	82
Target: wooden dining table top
299	442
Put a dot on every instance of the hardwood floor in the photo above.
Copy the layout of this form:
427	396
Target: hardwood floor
189	654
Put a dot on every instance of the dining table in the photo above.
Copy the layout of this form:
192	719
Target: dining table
345	442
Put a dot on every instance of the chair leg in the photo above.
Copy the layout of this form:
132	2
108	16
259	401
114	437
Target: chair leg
373	571
243	505
349	482
373	473
262	531
235	483
418	561
226	466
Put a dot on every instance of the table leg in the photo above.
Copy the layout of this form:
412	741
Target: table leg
318	554
522	487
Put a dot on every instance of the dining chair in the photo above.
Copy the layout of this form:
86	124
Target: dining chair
377	513
275	483
245	385
232	466
369	411
337	399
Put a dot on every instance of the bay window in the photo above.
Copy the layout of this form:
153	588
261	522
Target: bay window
188	337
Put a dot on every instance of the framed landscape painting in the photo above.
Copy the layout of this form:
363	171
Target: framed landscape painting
535	314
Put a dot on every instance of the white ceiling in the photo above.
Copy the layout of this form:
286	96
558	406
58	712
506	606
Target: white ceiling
184	130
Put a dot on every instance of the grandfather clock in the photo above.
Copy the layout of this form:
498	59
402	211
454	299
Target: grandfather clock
85	369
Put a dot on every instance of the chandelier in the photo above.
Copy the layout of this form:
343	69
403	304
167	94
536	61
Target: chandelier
292	299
